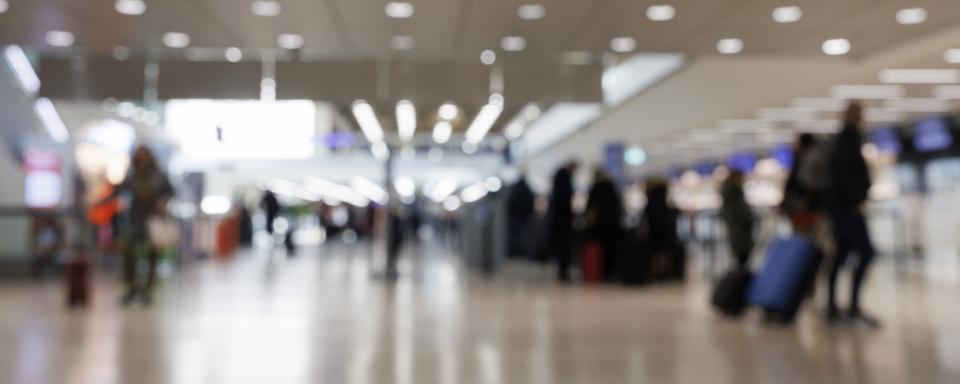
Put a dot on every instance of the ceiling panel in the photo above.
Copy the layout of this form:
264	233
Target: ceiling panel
209	80
340	81
93	78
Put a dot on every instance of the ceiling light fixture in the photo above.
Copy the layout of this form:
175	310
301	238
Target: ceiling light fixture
406	120
920	76
513	43
488	57
290	41
910	16
442	132
531	11
130	7
834	47
448	111
399	9
402	43
176	39
623	44
22	69
789	14
60	38
367	119
233	54
952	56
661	12
730	46
51	120
265	8
483	122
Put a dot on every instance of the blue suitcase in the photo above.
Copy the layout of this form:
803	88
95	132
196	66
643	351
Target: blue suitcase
787	274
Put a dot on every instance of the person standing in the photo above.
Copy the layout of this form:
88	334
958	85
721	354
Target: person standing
603	218
738	218
560	215
149	189
848	191
271	209
520	205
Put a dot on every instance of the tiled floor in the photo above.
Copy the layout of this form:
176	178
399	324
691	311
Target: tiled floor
321	318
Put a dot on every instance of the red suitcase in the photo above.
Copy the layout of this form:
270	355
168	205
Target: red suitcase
591	262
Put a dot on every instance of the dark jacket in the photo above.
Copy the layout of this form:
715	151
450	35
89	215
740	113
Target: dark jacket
604	211
737	216
560	212
658	223
850	178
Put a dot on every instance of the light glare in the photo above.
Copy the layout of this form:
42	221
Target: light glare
399	9
488	57
442	132
176	39
730	46
60	38
130	7
266	8
834	47
513	43
406	120
448	111
661	12
290	41
531	11
790	14
233	54
623	44
910	16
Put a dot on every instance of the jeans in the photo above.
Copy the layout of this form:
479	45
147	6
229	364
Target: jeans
851	234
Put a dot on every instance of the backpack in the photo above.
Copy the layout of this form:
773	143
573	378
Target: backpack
814	171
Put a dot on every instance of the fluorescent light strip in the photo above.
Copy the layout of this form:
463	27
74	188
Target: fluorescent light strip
51	120
820	103
786	114
336	192
920	76
947	92
474	192
483	122
744	126
22	68
866	91
918	104
369	189
406	120
445	187
367	119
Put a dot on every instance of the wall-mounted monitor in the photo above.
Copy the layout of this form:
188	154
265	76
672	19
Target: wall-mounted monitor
887	140
932	135
783	153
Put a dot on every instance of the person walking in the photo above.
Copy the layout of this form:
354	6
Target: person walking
271	209
148	189
603	219
560	216
848	191
738	218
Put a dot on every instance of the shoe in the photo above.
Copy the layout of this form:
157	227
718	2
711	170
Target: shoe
836	319
863	319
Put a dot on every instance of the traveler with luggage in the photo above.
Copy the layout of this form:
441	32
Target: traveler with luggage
737	217
603	217
149	189
847	193
805	186
560	217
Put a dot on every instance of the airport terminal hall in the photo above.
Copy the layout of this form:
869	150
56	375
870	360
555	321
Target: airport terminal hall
479	191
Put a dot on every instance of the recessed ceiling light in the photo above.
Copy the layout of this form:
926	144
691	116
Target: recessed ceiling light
290	41
121	53
60	38
909	16
233	54
952	56
661	12
488	57
448	111
402	43
513	43
730	46
531	11
399	9
790	14
835	47
266	8
176	39
130	7
623	44
4	6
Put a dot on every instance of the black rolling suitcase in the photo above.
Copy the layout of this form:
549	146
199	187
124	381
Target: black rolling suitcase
730	293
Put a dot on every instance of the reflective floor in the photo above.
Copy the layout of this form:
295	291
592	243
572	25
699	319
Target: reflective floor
321	318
